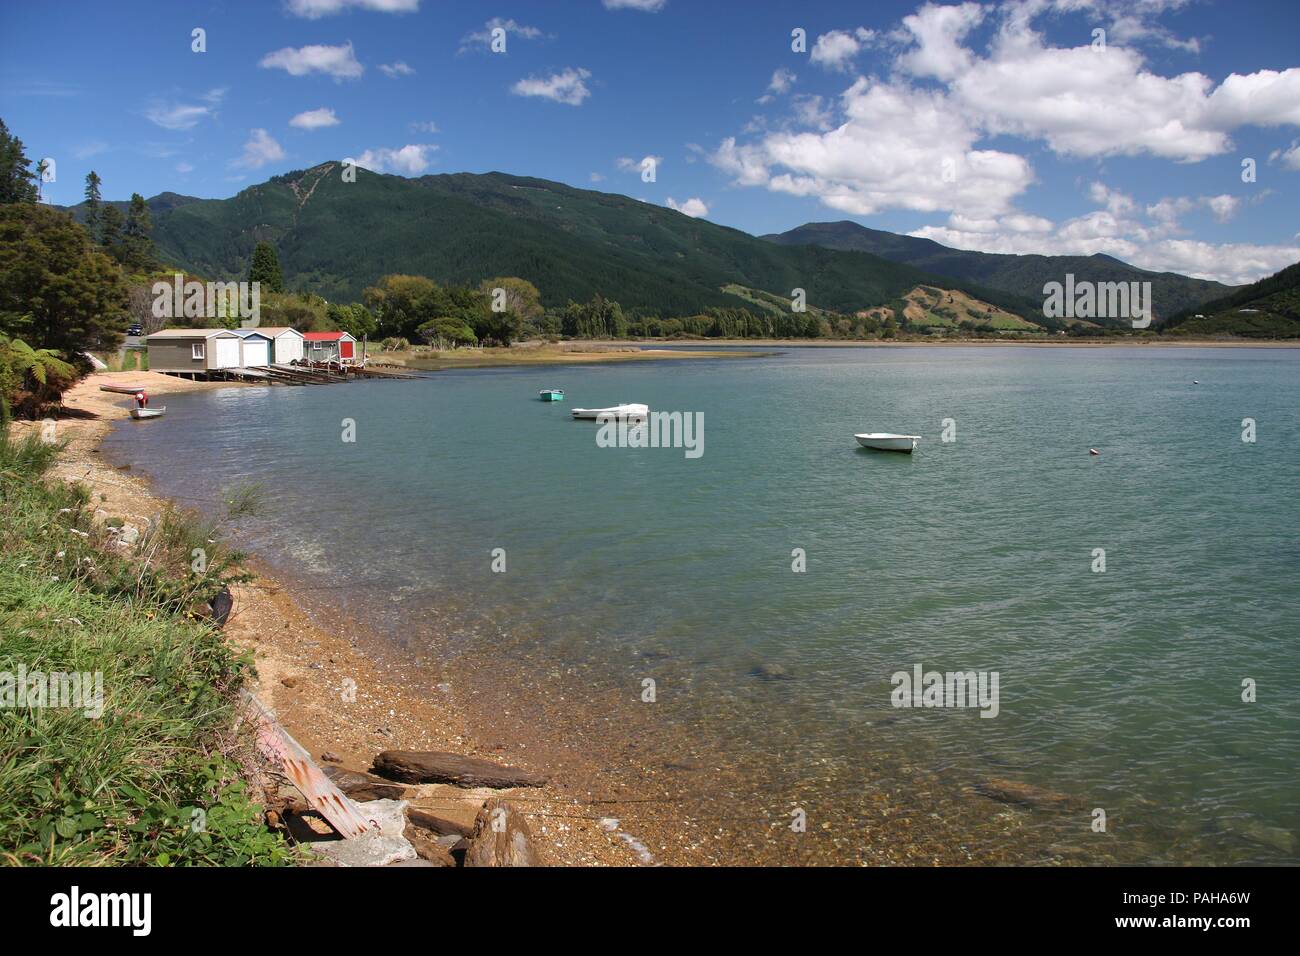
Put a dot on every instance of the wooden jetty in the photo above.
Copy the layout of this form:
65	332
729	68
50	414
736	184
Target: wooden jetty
317	373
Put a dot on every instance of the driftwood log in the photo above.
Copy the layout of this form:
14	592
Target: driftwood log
429	766
501	838
362	787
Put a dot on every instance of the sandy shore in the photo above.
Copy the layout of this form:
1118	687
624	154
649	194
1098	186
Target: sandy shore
567	353
303	664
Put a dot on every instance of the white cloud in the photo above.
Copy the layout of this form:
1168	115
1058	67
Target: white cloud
1231	262
1088	102
782	80
648	6
483	38
1223	208
627	164
693	207
337	61
184	168
596	178
315	9
394	70
1131	26
837	49
899	147
425	127
1289	158
916	139
259	150
567	86
812	111
1119	230
315	119
1116	203
938	32
411	159
175	115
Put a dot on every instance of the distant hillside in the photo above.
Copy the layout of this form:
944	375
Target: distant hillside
943	308
1269	308
336	238
1018	275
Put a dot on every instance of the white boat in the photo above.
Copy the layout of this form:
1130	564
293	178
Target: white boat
148	412
614	411
886	441
124	389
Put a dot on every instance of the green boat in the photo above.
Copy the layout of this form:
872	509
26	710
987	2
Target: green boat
552	394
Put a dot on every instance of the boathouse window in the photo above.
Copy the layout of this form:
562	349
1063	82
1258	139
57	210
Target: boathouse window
315	346
196	351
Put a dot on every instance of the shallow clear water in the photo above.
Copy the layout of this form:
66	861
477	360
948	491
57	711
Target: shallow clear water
1119	689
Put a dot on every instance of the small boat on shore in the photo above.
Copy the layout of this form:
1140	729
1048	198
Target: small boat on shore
551	394
614	411
123	389
139	413
887	441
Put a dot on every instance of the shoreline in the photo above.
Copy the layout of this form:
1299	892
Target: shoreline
613	351
924	342
301	663
543	356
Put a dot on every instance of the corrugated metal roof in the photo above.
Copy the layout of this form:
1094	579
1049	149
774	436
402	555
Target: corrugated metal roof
275	331
325	336
188	334
247	333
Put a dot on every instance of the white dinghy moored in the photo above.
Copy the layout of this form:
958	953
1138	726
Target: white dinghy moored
614	411
887	441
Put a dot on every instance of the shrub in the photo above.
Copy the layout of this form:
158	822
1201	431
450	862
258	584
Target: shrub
31	379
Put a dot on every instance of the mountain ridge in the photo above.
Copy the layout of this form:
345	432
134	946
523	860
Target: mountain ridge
336	237
1023	274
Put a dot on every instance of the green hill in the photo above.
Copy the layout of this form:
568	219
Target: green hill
1022	275
335	238
1269	308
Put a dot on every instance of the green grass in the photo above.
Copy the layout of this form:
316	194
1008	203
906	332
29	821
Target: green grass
160	777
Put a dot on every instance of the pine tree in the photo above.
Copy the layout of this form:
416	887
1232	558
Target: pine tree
92	204
17	182
110	230
266	268
138	252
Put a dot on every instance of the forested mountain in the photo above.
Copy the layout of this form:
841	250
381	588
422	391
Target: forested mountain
1022	275
1269	308
336	238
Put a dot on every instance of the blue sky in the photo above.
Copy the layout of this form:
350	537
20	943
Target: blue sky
1004	126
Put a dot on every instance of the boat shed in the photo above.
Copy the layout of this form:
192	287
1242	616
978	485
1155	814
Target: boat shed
194	350
255	350
286	343
337	347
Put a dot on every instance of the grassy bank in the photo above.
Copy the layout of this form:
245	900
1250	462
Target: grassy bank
158	777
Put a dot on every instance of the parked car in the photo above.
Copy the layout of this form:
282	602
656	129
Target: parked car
135	329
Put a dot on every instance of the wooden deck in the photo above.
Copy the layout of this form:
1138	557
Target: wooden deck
278	374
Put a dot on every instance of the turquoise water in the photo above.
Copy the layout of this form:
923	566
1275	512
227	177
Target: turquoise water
1120	690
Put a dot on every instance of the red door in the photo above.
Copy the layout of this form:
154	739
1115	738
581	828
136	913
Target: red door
345	349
